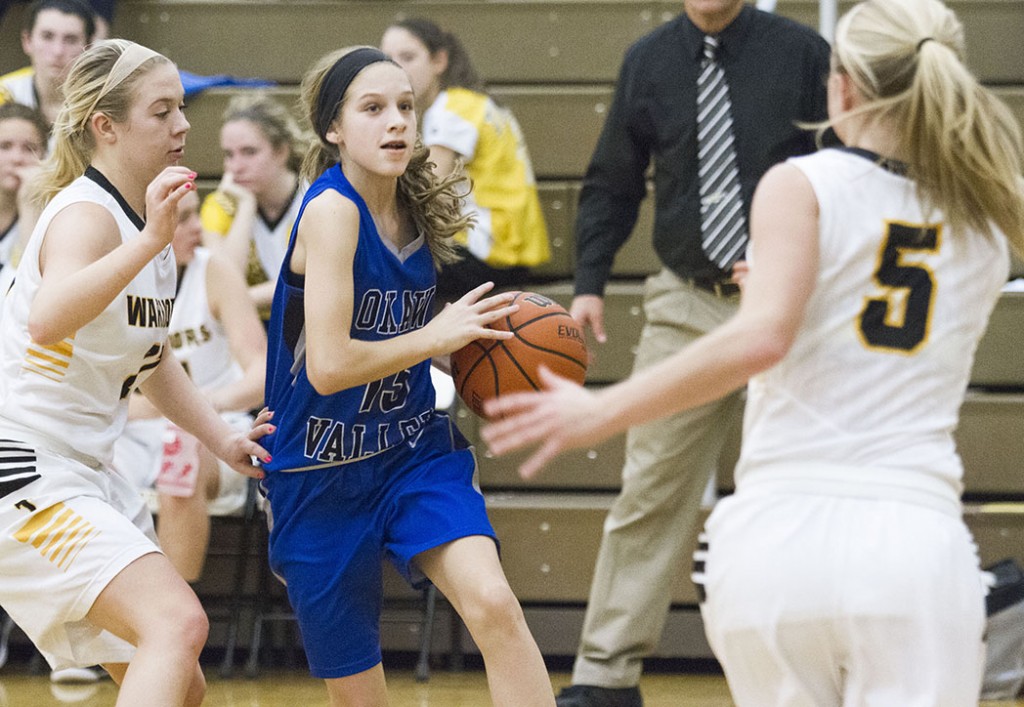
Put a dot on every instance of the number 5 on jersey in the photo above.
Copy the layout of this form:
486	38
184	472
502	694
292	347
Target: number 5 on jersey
899	320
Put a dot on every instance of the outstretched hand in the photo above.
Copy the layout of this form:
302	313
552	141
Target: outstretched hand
562	416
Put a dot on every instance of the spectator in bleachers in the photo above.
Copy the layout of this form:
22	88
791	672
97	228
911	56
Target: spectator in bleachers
103	15
754	76
462	123
22	144
258	198
216	334
55	32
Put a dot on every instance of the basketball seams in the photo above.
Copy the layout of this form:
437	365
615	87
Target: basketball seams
520	338
519	367
499	367
485	355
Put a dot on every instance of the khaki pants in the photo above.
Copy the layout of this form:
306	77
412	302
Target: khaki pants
668	465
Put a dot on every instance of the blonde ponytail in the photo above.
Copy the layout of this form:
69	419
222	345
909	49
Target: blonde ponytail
962	145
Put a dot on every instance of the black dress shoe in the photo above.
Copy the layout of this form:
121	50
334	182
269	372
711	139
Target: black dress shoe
593	696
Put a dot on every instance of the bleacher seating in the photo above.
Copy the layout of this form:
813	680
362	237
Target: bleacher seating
554	64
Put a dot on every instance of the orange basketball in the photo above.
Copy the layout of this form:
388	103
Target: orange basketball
544	333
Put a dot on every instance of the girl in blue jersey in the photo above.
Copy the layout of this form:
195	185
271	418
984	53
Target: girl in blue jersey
363	466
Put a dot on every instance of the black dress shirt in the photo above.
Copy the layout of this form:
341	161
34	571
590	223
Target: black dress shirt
776	70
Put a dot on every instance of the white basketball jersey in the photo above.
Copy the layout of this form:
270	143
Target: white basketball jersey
197	339
878	370
271	240
75	392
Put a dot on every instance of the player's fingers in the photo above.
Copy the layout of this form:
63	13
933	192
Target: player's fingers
250	470
171	184
263	416
597	326
258	432
539	459
492	315
488	333
520	427
476	293
180	191
551	380
502	299
511	404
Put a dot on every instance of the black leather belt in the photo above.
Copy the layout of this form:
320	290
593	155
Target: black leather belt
719	288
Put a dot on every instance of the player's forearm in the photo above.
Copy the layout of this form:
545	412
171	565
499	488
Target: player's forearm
172	393
91	289
361	362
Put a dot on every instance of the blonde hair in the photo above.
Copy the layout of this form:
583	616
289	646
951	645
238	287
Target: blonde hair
88	90
962	145
272	119
433	203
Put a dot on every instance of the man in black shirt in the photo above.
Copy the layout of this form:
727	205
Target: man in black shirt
775	72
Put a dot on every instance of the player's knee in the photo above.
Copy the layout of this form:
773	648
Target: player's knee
493	607
186	628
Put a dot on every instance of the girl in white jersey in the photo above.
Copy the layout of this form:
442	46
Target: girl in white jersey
841	571
84	325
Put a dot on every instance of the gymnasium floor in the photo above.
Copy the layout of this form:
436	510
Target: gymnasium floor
296	689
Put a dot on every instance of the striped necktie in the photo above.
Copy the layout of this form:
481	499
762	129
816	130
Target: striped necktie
723	225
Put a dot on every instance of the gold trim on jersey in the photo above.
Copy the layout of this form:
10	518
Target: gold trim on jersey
59	534
50	362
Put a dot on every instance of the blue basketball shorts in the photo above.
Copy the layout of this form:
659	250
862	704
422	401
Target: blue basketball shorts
332	528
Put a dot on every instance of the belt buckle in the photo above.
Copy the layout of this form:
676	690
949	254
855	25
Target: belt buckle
725	288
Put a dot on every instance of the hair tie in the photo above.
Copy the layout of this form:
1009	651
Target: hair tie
921	44
337	81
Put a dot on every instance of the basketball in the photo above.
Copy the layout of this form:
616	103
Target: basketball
544	334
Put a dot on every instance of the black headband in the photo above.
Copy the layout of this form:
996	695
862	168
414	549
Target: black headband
337	80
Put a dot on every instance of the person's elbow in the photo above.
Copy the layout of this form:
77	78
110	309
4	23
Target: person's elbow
322	379
45	330
327	376
767	346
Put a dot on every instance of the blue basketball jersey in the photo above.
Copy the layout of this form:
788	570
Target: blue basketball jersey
392	297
